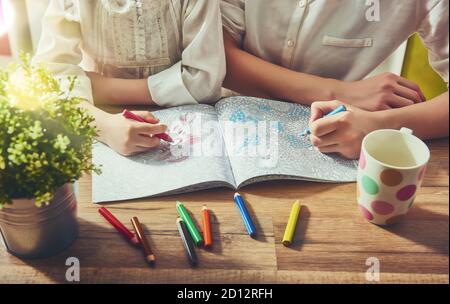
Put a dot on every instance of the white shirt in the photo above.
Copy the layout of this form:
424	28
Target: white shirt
340	39
176	44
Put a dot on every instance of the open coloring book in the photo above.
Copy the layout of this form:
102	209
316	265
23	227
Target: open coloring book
237	142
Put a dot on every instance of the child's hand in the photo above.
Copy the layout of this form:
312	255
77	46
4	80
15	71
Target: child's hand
129	137
342	133
382	92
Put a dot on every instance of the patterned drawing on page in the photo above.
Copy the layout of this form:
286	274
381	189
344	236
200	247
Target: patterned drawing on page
181	131
298	112
239	116
265	108
290	134
250	140
298	142
183	140
253	138
178	151
295	141
278	127
284	108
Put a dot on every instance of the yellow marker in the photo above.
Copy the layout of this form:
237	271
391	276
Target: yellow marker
292	224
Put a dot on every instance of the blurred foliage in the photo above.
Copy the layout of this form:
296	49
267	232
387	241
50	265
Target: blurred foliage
45	136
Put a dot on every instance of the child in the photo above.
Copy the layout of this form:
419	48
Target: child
344	132
145	52
310	50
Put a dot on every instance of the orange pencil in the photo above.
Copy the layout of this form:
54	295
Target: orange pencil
207	231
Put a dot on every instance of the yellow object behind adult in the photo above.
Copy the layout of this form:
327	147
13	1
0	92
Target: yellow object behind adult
416	67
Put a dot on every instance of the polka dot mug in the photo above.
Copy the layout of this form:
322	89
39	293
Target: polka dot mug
391	170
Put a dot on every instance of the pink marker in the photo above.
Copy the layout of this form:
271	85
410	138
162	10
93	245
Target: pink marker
129	115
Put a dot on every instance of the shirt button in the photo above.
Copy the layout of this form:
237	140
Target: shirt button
291	43
302	3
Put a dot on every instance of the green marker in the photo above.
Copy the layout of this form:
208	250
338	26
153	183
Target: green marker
196	237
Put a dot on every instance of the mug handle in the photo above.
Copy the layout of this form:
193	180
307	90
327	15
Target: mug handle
406	131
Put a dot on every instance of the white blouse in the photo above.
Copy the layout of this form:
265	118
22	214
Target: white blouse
176	44
340	39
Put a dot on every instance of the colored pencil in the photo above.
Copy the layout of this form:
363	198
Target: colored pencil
332	113
245	215
148	253
292	224
130	236
207	229
130	115
187	242
196	237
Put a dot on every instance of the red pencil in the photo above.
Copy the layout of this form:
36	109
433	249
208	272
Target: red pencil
130	236
130	115
207	231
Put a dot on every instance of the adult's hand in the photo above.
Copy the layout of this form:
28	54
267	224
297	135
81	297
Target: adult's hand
342	133
381	92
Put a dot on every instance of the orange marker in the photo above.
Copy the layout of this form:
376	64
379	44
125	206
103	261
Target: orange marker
207	231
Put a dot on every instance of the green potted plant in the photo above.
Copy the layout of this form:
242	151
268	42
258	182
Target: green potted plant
45	146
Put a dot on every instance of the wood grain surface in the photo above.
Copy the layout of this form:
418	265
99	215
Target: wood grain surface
332	241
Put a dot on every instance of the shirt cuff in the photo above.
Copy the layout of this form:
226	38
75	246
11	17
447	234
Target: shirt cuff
168	89
236	36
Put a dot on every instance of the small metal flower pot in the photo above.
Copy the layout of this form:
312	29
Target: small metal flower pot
31	232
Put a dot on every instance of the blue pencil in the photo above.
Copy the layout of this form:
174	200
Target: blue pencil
245	215
334	112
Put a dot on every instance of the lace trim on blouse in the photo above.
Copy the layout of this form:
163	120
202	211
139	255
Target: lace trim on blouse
143	43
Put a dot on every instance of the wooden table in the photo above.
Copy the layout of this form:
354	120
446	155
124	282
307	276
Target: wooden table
332	243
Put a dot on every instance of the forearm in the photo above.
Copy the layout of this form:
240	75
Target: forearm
427	120
116	91
100	118
250	75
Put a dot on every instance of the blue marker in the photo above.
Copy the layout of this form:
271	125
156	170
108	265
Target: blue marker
334	112
245	215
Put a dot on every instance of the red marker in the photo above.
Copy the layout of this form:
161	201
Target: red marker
129	115
119	226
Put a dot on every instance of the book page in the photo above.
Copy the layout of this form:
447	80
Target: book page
186	166
264	142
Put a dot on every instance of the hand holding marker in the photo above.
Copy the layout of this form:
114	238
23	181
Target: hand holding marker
332	113
130	115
